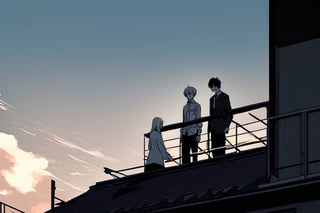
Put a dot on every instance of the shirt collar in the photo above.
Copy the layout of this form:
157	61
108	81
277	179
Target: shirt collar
218	92
191	101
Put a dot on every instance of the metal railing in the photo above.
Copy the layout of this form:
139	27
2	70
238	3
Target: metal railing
247	131
53	196
5	208
303	118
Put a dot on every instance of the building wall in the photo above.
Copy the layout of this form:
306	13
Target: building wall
312	206
294	86
297	70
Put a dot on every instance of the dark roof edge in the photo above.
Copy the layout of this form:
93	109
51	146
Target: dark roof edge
259	192
231	156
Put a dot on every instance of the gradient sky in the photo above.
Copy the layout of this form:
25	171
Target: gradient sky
80	82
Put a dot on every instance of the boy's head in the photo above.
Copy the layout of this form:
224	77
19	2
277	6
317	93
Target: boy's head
214	82
189	92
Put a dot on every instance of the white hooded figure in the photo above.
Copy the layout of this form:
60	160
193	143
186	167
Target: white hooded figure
157	150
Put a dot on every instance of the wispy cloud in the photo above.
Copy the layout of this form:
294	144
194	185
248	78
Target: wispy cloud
26	169
77	174
27	132
67	143
83	162
78	188
4	105
132	150
72	145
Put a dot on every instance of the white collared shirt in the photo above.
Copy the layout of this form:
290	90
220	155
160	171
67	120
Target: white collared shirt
192	111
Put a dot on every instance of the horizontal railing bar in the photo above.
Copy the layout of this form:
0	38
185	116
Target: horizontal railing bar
261	120
253	142
6	205
229	136
290	114
245	133
207	118
253	122
314	161
227	147
248	131
132	168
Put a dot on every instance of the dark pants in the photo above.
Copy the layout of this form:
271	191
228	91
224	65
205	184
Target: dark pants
189	142
218	140
152	167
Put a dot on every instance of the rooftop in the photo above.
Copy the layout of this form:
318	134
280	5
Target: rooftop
172	187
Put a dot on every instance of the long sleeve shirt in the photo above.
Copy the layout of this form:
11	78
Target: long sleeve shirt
191	111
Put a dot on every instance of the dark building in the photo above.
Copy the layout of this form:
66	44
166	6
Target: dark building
278	173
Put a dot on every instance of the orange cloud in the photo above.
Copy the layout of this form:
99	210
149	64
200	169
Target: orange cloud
26	169
25	183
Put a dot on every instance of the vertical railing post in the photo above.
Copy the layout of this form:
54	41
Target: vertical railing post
268	144
144	151
180	149
236	137
208	144
53	188
304	132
